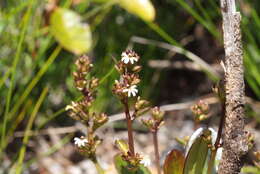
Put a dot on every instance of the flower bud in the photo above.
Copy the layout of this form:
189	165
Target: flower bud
141	104
135	81
80	84
99	120
120	67
142	111
94	83
149	123
137	69
157	114
200	111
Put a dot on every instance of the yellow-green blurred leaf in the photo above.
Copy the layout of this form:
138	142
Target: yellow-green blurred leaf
174	162
101	1
67	28
141	8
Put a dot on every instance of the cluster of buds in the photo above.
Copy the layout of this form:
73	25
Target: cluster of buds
80	110
156	120
200	111
83	68
129	78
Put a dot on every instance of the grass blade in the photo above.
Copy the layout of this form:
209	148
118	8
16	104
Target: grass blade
13	69
35	80
26	137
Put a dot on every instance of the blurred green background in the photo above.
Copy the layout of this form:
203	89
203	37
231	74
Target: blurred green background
36	71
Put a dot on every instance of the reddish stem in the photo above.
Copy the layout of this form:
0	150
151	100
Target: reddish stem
129	128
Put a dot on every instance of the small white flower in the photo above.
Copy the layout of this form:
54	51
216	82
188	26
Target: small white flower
126	58
131	91
80	141
146	161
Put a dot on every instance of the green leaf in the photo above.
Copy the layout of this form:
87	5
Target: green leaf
196	157
174	162
141	8
122	167
68	30
250	170
122	146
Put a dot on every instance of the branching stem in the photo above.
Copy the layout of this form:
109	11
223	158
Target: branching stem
217	143
100	170
221	124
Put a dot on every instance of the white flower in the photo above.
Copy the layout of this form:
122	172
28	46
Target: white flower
146	161
80	141
131	91
126	58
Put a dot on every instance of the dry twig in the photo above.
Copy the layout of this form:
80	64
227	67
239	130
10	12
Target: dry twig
235	141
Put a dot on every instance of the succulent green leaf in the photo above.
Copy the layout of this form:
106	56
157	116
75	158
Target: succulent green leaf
122	167
68	30
141	8
174	162
196	157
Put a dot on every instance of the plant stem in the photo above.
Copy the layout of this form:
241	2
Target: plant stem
217	143
212	160
129	128
156	151
100	170
221	124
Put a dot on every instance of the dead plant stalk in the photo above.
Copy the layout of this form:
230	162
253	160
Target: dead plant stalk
234	137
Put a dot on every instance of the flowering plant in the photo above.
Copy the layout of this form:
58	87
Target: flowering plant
203	147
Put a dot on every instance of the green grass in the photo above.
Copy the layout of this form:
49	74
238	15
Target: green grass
26	137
